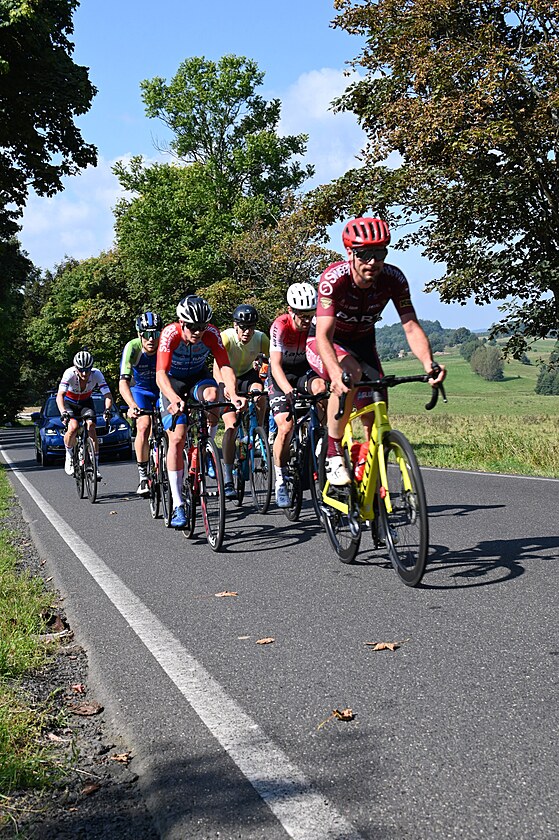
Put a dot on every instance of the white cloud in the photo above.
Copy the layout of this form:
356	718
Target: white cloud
335	139
77	222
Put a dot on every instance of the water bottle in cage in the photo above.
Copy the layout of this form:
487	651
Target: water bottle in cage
193	459
359	453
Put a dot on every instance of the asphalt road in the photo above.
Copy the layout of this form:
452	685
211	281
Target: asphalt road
455	732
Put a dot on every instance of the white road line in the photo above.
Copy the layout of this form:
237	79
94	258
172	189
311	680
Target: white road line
492	474
303	812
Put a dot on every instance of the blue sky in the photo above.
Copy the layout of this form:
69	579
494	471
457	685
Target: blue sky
304	60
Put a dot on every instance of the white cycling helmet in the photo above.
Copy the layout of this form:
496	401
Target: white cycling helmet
194	310
83	360
301	296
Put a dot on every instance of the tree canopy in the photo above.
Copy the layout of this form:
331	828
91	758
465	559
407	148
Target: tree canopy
464	98
41	92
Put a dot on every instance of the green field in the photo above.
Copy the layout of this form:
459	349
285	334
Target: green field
491	426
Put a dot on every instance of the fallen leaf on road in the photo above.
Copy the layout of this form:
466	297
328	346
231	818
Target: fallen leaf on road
345	714
267	641
85	708
243	637
123	758
226	594
89	789
79	688
52	737
385	645
113	512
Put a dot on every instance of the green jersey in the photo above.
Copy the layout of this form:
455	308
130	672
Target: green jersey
240	355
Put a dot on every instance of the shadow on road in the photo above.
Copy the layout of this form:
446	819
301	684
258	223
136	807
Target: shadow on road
489	562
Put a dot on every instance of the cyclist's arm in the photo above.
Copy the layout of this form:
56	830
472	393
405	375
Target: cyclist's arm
164	385
126	394
325	328
419	345
230	381
276	361
60	400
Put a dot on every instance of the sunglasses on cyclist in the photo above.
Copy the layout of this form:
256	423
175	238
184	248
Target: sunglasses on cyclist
150	334
196	327
368	254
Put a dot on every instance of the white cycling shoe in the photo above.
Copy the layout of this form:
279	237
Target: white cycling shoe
336	471
69	464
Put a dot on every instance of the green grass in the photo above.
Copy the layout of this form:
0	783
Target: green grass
24	760
489	426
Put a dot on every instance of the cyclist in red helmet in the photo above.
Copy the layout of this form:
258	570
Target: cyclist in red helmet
351	297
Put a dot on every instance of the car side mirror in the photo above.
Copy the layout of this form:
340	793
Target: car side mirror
35	416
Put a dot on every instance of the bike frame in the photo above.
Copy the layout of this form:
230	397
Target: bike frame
375	466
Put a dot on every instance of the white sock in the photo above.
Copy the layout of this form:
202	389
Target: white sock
279	475
175	483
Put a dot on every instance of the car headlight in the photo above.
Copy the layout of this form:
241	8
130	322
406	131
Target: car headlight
122	426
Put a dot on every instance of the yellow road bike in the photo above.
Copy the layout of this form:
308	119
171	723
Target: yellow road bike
389	499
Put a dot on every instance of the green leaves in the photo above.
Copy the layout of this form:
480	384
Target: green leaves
467	95
41	92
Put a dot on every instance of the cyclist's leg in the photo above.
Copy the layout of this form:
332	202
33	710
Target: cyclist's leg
89	415
175	459
283	416
335	465
145	400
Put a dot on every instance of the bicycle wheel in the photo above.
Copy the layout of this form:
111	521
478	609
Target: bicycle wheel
212	497
90	470
239	470
77	458
342	529
189	503
164	486
293	485
153	483
260	468
406	528
315	443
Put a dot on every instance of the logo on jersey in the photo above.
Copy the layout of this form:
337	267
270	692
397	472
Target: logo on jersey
325	302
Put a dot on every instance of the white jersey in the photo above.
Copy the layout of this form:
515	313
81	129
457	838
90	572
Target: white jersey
76	390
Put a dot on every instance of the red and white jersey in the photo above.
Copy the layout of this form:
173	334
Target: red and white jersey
182	360
77	390
291	343
357	310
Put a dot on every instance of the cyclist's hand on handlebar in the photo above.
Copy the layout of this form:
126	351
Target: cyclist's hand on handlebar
107	414
133	412
240	403
65	417
177	407
436	374
340	383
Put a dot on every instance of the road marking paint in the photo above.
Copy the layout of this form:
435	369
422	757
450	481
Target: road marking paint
303	812
493	474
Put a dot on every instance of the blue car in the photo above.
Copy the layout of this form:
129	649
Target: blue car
115	437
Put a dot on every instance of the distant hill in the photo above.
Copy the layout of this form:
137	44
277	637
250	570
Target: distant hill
391	339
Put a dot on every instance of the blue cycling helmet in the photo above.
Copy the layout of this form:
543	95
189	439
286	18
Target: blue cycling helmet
149	321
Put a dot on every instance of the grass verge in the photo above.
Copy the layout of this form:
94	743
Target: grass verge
24	759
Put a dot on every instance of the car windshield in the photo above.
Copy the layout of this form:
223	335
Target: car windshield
51	408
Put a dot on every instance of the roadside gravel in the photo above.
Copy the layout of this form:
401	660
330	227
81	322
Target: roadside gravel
97	797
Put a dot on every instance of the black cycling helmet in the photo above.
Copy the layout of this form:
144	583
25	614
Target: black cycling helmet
194	310
83	360
245	315
149	321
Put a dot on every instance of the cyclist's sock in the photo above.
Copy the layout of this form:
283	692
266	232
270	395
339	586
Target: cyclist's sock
227	473
334	446
279	475
212	431
175	484
68	449
143	469
97	461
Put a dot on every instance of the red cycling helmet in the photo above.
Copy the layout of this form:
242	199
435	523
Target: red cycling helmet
360	233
